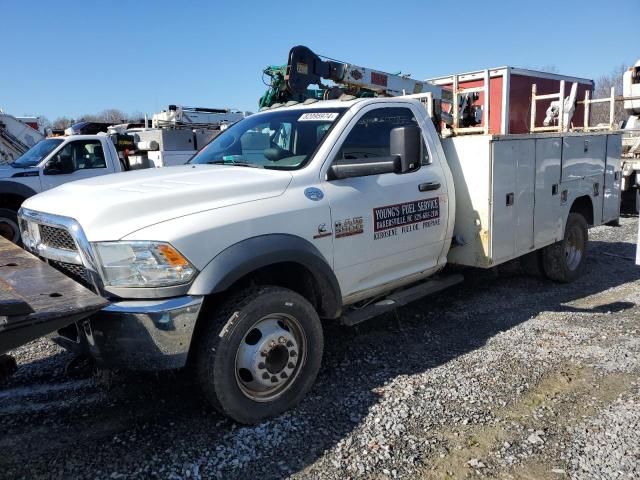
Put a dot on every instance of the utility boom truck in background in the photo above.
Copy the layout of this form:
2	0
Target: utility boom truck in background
17	135
320	210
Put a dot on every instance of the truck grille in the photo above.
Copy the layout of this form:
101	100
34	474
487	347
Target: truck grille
56	237
76	272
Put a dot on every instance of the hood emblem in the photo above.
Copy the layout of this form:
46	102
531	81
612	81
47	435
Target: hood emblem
314	194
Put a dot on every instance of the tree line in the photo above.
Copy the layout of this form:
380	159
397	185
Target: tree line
110	115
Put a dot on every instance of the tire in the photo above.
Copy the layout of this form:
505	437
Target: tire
630	201
531	264
9	225
564	261
260	354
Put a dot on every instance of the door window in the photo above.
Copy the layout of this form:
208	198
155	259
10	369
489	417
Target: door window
78	155
369	138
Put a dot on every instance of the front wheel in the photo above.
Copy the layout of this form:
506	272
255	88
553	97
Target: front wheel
260	354
564	261
9	225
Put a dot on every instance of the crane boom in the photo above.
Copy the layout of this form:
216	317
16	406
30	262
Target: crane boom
305	68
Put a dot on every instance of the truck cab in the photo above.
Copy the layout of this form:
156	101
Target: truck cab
48	164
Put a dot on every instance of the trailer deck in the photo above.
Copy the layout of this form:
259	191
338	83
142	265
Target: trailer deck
36	299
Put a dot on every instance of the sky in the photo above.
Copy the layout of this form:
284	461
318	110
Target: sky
68	58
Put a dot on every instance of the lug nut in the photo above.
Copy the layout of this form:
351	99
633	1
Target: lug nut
289	344
272	344
265	375
293	353
263	353
283	375
282	340
290	365
261	365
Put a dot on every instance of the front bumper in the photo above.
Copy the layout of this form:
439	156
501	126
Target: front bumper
137	335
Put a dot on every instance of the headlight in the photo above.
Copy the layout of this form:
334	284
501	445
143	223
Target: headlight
142	264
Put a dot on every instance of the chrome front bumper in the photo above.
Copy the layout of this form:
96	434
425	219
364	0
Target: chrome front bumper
137	335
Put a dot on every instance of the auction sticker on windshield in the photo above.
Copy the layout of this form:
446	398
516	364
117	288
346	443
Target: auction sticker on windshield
318	117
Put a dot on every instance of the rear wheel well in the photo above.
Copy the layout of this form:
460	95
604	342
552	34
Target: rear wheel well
11	201
584	207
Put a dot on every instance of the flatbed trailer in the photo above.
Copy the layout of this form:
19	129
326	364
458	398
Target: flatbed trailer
36	299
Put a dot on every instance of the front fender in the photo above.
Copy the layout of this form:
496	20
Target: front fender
16	188
254	253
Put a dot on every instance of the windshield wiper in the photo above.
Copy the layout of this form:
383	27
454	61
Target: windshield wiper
234	163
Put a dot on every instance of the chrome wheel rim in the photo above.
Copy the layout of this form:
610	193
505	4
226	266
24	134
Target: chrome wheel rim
270	356
573	249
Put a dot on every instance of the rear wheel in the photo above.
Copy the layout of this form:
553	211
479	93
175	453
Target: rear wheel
9	225
564	261
260	354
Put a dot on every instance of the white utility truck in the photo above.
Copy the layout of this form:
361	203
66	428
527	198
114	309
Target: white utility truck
338	209
48	164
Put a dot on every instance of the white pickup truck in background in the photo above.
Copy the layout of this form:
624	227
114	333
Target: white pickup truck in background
339	209
48	164
177	133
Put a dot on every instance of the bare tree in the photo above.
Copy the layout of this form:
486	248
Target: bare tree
112	115
136	116
61	123
600	111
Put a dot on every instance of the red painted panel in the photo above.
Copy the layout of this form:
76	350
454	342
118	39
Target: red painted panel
520	101
519	94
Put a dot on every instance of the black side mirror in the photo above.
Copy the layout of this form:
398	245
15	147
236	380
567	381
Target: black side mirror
362	167
406	143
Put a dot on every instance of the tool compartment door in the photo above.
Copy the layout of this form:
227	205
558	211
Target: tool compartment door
612	176
583	160
513	178
548	218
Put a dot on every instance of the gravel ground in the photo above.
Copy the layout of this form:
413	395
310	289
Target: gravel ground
503	376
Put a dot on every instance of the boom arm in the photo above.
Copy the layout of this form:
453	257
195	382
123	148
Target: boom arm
305	68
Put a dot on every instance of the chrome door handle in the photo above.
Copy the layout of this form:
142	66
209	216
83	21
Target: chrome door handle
428	186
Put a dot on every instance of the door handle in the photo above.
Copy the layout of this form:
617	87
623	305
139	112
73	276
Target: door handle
428	186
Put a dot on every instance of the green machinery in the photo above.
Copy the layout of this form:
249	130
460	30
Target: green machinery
291	82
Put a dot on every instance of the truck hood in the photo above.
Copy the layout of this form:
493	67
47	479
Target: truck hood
7	171
112	206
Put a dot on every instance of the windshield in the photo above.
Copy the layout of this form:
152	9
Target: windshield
35	154
283	139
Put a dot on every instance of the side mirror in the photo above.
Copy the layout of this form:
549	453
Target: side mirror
362	167
405	143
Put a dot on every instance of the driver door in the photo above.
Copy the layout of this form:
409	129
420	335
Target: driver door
74	161
387	227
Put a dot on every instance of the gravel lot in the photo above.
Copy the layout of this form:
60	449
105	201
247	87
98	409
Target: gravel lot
503	376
